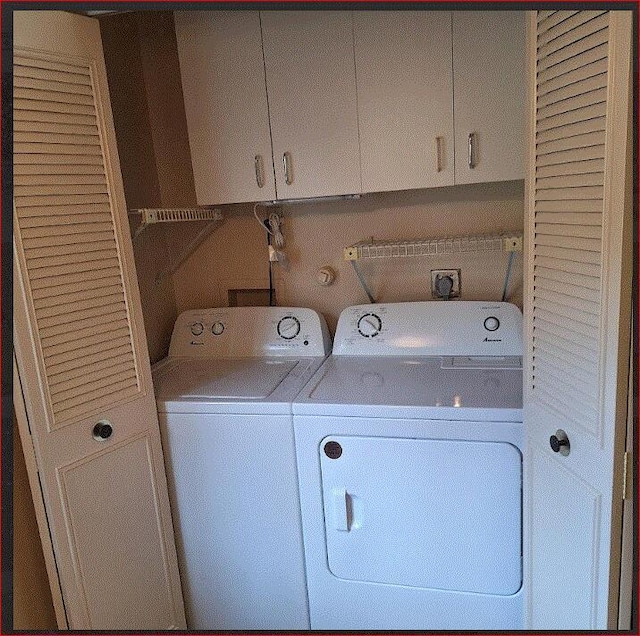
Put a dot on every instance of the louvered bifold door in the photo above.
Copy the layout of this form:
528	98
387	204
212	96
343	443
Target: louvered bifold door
577	312
79	339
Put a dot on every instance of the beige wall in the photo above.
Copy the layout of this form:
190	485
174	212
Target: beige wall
143	69
316	233
32	603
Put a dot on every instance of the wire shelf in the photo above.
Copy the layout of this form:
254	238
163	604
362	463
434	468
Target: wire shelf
432	247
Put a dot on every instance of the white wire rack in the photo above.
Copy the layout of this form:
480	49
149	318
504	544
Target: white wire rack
150	216
432	247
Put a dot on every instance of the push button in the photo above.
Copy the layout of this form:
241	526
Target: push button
491	323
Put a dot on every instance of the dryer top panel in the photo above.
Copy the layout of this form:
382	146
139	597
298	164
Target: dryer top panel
436	328
250	332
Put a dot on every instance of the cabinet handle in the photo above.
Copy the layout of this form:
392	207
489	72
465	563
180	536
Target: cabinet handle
438	154
258	164
287	166
472	150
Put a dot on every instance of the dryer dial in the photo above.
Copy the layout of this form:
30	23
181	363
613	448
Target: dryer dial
369	325
217	328
288	327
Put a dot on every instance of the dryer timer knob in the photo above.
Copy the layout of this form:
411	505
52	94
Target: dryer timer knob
288	327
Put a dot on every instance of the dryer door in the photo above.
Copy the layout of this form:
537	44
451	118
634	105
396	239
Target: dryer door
441	514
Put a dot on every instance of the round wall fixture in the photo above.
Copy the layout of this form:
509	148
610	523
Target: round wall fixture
326	275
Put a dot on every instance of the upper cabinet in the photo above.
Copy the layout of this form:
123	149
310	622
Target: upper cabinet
311	84
225	101
405	98
490	92
300	104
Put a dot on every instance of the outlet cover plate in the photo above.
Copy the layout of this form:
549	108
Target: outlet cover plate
437	274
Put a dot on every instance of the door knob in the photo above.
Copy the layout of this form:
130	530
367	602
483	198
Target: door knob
102	430
560	443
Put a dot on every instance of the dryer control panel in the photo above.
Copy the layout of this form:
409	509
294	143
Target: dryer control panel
238	332
456	328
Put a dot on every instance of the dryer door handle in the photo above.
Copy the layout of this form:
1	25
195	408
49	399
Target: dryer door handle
341	502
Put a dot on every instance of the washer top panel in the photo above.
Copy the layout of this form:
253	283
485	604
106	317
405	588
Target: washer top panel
237	332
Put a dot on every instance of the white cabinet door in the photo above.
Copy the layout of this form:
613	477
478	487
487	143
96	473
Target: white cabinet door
312	102
579	284
405	98
79	338
489	88
225	102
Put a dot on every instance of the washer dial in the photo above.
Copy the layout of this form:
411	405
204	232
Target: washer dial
217	328
197	328
288	327
491	323
369	325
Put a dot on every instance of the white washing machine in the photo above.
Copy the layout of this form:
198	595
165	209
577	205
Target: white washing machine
409	448
224	398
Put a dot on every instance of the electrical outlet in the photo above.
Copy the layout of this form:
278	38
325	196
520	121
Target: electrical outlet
439	284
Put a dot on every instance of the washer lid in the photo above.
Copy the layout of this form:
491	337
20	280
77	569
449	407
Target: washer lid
207	379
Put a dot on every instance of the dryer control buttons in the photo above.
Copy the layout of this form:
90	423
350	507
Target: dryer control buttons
369	325
288	327
217	328
197	328
491	323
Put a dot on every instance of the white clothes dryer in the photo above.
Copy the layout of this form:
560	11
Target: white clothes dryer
224	398
409	448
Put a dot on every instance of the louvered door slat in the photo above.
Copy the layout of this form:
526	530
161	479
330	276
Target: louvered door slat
89	370
550	317
569	342
570	205
571	156
561	300
589	91
565	265
64	300
572	291
570	143
564	131
74	275
546	120
570	194
83	320
589	49
38	211
93	328
580	280
106	279
40	266
118	376
57	369
106	370
570	313
563	26
569	242
565	73
52	85
579	31
571	181
569	254
100	397
67	350
546	19
546	373
572	167
576	410
52	107
66	227
37	117
587	374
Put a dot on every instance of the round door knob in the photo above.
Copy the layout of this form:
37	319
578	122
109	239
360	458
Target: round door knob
560	443
102	430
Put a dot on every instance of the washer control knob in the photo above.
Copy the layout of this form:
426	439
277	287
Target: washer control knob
369	325
197	328
217	328
491	323
288	327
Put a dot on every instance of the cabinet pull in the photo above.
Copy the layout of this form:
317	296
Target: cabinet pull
472	150
438	154
287	166
258	164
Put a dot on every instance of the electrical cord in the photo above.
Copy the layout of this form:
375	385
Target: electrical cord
272	224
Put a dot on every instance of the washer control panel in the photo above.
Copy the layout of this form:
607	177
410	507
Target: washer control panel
249	332
458	328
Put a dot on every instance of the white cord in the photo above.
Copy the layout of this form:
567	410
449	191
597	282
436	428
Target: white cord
272	226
